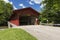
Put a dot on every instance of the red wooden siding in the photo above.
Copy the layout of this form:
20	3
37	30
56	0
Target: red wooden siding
16	22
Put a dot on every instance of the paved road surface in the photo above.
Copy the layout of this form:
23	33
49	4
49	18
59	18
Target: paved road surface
43	32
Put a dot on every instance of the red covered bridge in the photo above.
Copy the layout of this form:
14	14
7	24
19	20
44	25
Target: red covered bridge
25	16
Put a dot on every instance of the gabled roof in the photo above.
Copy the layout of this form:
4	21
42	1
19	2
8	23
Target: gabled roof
25	9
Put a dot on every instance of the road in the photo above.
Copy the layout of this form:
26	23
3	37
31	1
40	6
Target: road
43	32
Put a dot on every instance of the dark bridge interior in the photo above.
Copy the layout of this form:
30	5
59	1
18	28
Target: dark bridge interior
25	20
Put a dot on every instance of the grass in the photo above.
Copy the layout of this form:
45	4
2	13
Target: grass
15	34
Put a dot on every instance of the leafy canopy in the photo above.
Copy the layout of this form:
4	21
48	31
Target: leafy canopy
51	10
5	11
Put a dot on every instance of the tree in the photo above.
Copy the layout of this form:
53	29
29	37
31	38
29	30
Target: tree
5	11
51	10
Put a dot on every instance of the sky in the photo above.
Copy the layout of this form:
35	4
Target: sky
19	4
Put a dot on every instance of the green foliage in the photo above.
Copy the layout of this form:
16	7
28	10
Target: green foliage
51	10
5	11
